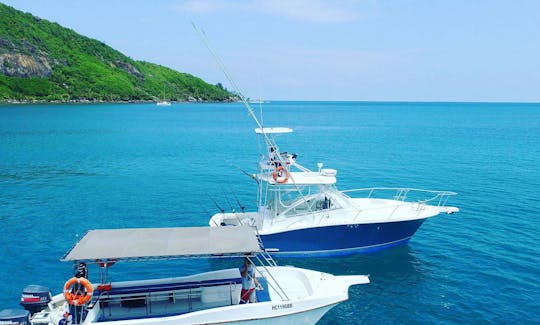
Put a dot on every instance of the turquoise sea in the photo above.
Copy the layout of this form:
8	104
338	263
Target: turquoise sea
65	169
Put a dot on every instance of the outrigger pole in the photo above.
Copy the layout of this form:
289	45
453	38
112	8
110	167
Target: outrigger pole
270	143
223	68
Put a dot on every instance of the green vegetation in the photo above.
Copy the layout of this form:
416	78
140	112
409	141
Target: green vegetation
44	61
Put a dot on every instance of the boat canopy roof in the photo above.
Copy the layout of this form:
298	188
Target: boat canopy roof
162	243
273	130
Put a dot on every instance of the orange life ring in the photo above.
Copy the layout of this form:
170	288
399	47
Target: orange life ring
78	299
278	177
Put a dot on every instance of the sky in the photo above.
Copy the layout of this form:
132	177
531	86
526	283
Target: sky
357	50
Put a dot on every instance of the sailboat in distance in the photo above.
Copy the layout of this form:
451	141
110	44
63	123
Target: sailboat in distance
163	101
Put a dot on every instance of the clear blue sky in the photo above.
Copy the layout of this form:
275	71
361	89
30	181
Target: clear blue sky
453	50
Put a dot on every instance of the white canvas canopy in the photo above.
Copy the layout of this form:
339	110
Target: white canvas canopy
162	243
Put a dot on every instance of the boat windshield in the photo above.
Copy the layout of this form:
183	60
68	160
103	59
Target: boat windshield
303	200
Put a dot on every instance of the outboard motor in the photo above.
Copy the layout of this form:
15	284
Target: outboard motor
35	298
14	317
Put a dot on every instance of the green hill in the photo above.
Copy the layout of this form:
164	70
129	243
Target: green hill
41	60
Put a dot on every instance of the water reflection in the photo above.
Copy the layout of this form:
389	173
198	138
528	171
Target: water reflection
395	274
398	262
394	265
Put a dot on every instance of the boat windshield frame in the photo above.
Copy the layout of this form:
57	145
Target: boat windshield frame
286	201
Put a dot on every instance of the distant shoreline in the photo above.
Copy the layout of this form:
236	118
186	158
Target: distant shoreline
96	101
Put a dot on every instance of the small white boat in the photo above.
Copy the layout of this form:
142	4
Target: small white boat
256	101
289	295
163	103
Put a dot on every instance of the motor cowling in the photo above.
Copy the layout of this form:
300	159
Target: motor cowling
14	317
35	298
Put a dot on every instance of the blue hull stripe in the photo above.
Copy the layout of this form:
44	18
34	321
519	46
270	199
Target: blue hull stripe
341	240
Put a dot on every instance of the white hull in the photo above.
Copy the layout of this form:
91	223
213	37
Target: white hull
309	295
255	314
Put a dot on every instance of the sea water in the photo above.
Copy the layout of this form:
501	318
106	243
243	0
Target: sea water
65	169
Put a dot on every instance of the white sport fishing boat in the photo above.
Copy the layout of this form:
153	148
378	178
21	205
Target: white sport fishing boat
302	213
289	295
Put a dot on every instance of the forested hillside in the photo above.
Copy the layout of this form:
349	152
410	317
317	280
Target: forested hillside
41	60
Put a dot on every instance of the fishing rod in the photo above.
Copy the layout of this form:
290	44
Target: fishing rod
252	176
216	204
242	207
209	215
228	201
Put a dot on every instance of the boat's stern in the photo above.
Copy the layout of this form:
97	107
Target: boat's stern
53	313
216	220
234	219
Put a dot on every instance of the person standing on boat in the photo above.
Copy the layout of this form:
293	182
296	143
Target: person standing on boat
247	271
77	312
274	158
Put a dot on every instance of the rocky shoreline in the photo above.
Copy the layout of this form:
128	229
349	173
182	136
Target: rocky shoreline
100	101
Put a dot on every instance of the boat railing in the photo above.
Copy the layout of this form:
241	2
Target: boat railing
273	284
177	298
438	198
